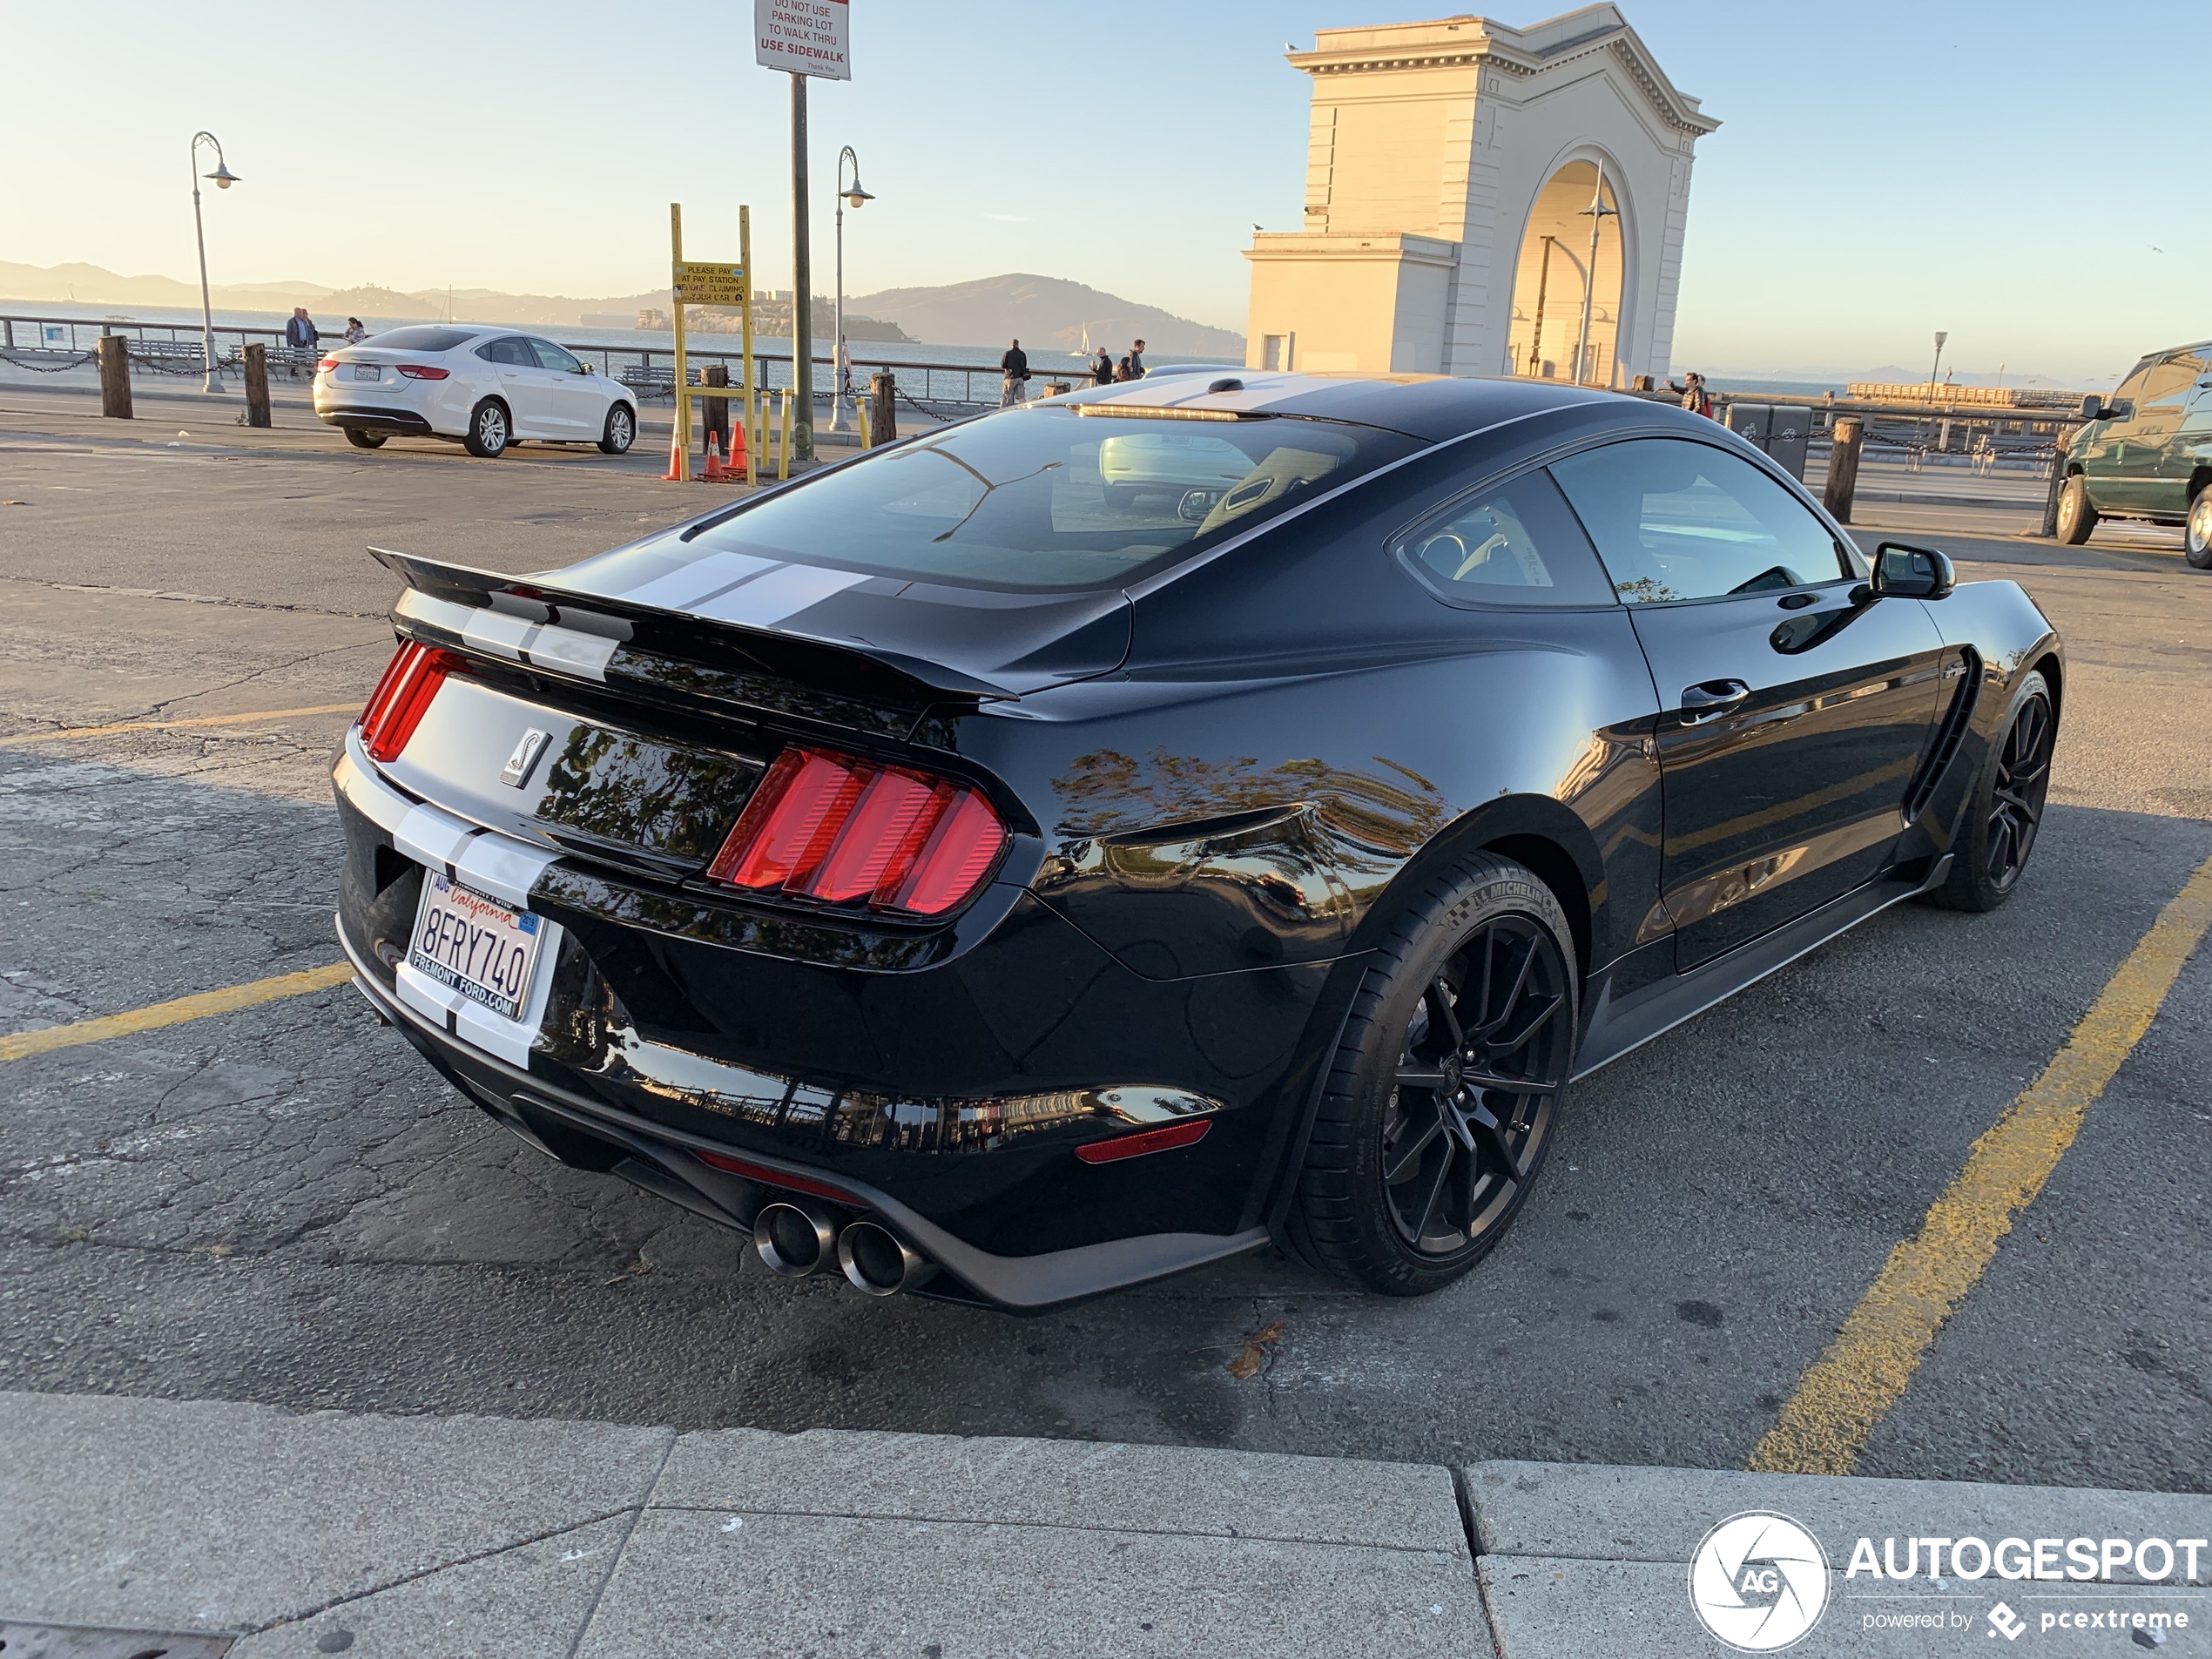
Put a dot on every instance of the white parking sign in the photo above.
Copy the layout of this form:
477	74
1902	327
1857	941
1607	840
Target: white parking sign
806	36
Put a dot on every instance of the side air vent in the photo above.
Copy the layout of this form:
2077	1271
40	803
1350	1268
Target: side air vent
1948	735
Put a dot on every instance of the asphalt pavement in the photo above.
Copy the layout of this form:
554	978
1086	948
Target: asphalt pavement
283	1205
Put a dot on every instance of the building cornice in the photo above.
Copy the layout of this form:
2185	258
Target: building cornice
1482	48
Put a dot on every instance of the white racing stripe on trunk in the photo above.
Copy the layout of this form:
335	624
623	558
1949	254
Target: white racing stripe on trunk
701	579
583	655
780	593
497	633
470	1022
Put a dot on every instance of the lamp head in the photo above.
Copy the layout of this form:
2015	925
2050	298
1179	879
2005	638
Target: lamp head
856	195
223	176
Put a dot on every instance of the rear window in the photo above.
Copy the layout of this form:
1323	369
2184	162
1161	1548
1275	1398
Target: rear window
423	337
1046	498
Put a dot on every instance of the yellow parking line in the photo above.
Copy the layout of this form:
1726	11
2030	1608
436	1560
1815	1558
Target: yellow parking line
1850	1388
173	726
24	1043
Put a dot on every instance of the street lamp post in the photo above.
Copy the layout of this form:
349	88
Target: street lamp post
840	369
224	178
1937	364
1596	213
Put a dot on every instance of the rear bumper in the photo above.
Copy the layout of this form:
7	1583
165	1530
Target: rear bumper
664	1161
932	1099
372	419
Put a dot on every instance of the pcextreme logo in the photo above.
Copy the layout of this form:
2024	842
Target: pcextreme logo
1758	1582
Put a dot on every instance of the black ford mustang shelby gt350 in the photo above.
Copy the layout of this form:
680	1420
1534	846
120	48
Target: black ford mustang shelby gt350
1097	838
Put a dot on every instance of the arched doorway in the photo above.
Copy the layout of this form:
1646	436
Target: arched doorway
1560	277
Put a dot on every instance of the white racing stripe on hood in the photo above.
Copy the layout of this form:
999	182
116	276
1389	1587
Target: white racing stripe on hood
701	579
781	593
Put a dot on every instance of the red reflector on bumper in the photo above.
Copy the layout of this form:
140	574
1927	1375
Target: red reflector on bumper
767	1177
1189	1133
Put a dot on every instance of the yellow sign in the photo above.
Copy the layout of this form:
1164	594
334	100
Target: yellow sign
699	283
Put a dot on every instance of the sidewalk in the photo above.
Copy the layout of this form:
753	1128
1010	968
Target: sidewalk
251	1531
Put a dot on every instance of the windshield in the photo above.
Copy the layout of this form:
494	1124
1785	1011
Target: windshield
1047	498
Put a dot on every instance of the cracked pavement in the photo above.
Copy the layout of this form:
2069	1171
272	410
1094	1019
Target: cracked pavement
283	1206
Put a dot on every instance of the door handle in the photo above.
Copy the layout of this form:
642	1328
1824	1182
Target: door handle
1710	699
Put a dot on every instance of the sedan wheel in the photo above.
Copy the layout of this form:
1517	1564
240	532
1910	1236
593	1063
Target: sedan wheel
2197	535
488	433
622	430
2000	828
361	438
1446	1086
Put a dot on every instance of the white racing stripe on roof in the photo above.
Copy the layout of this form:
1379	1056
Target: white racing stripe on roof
781	593
701	579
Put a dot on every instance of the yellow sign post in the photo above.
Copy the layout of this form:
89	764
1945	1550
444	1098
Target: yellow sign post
706	282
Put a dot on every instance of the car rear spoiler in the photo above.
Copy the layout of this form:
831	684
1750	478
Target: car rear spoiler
544	625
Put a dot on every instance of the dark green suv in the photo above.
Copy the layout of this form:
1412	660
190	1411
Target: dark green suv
2147	453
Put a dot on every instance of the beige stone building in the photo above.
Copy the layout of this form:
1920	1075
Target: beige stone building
1451	178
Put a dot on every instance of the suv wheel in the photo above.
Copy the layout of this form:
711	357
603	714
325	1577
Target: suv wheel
2196	533
489	432
1446	1088
2077	516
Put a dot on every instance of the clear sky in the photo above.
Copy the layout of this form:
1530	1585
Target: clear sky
2004	171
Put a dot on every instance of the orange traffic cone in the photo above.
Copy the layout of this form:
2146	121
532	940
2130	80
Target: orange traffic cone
675	473
714	474
740	466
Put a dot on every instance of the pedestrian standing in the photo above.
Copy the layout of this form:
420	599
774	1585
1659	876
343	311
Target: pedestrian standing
1693	393
1135	361
300	334
354	332
1014	367
1102	368
1125	371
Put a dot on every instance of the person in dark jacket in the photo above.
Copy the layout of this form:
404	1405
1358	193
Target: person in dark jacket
1125	371
1135	361
1015	366
1102	368
301	331
1694	397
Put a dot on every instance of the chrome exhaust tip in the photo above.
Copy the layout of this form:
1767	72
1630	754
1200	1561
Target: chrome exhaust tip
793	1240
878	1262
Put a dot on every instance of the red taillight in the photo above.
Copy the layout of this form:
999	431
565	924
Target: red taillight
326	366
828	826
403	697
1187	1133
417	371
762	1173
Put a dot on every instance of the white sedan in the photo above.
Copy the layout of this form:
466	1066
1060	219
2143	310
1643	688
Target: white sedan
487	387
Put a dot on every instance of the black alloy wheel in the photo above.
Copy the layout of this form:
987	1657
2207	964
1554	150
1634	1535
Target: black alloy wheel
1447	1084
2077	514
2000	828
489	432
362	438
2196	529
621	432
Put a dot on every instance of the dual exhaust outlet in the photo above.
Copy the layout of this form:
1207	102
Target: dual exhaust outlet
797	1240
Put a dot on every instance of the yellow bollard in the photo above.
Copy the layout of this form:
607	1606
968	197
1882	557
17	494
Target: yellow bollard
860	407
783	455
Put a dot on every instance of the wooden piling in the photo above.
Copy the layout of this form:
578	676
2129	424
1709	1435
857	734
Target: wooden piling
883	393
115	376
257	386
1845	438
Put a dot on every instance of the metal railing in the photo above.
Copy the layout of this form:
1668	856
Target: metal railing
941	391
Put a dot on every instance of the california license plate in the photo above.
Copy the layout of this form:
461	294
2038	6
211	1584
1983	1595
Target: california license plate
367	372
476	946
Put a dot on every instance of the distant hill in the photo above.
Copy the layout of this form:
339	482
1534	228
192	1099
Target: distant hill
1043	311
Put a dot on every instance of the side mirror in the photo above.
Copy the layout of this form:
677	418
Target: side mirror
1903	572
2094	407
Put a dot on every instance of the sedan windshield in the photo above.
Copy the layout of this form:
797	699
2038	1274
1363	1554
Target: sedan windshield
1047	498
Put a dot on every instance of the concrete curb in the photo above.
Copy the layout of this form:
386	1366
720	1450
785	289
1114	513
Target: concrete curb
318	1532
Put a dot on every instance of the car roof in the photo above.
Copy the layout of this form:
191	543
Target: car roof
1435	406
